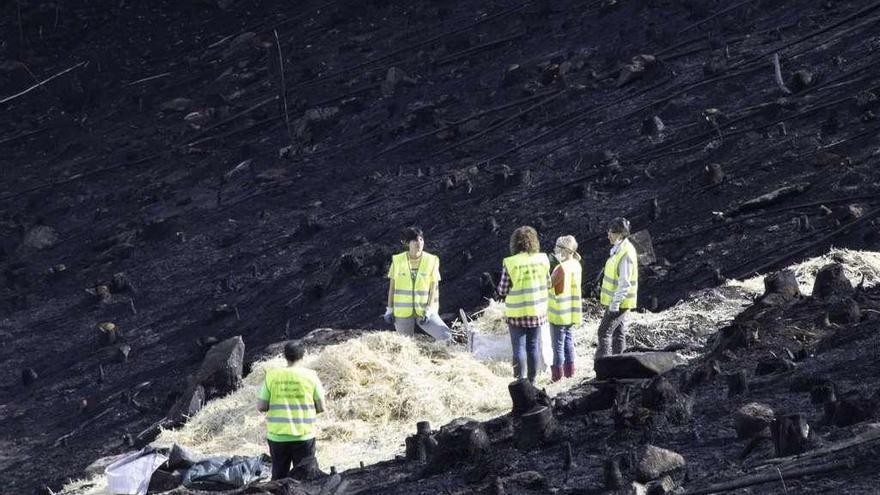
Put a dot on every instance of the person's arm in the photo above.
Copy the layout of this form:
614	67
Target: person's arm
319	398
263	399
503	284
623	272
557	280
433	288
390	302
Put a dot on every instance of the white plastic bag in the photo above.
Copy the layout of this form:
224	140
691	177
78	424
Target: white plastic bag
498	348
131	474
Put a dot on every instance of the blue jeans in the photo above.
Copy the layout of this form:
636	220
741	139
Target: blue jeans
524	341
563	345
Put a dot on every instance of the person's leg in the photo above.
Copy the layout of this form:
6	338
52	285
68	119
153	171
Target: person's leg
568	367
405	326
436	327
518	346
619	336
301	452
603	347
558	338
532	351
280	453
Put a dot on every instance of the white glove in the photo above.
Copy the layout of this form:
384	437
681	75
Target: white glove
389	315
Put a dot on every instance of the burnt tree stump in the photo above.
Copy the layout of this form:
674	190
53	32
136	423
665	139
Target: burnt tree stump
420	447
831	281
739	335
461	441
844	311
612	475
789	434
526	397
534	428
737	383
783	282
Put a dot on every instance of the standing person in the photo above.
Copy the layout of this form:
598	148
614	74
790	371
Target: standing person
566	308
619	286
414	289
291	397
524	283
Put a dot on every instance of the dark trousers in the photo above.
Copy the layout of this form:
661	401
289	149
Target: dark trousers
288	454
612	334
524	341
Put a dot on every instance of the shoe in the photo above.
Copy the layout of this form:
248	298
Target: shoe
568	370
555	373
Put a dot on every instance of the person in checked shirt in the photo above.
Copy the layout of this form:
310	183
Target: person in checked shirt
524	285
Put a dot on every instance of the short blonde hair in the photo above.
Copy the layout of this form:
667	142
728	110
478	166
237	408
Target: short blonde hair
570	244
524	240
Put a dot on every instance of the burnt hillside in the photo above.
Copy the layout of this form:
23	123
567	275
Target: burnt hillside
175	150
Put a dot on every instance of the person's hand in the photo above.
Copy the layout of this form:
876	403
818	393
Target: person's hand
427	315
613	311
389	315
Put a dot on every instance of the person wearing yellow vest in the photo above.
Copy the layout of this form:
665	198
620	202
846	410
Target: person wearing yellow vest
414	289
618	289
291	397
566	309
524	285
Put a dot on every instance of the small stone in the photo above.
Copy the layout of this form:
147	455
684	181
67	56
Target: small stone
635	69
177	105
395	78
109	332
801	80
122	352
40	237
28	376
664	486
656	461
753	420
119	283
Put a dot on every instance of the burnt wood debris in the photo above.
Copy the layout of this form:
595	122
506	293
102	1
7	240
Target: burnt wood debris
183	184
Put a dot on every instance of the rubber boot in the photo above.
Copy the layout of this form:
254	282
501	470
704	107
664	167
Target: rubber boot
555	373
568	369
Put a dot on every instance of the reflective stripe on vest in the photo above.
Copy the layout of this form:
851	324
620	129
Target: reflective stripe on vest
528	292
411	298
566	308
291	402
609	280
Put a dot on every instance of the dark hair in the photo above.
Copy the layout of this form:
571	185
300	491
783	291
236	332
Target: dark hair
411	234
293	352
524	240
619	225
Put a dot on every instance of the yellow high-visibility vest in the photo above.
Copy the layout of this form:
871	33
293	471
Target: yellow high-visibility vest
528	292
610	278
411	296
291	402
566	308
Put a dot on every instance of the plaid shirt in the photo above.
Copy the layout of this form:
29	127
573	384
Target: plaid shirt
522	321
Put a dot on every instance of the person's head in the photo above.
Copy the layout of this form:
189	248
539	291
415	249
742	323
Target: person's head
524	240
566	247
618	229
413	239
293	352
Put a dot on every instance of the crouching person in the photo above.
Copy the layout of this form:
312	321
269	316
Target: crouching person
291	397
413	289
